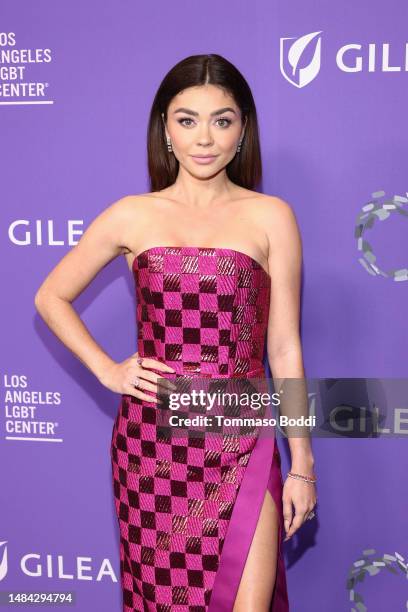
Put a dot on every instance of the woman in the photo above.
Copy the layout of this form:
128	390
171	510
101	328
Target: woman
217	271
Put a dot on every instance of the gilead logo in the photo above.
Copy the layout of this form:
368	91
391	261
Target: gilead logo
35	565
300	58
292	52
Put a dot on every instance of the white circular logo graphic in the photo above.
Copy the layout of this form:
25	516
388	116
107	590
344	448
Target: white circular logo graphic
374	211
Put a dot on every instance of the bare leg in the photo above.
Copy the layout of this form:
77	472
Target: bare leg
258	578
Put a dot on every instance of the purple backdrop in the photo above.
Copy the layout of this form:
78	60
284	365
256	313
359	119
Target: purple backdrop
333	129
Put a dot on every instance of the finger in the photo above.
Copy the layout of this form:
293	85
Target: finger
154	378
287	514
154	386
131	390
165	386
311	509
147	362
143	384
157	387
296	523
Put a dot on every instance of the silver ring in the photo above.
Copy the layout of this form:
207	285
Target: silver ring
139	360
136	382
311	515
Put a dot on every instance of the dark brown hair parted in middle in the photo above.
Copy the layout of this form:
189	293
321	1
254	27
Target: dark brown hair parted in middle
245	169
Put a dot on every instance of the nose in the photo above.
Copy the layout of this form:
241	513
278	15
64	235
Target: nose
204	138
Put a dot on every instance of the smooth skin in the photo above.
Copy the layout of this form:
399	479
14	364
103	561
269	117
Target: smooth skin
258	578
202	208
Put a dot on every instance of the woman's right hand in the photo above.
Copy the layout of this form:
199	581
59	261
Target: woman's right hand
120	377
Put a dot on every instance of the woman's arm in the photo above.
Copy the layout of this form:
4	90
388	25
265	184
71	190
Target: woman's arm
100	243
285	356
283	341
104	239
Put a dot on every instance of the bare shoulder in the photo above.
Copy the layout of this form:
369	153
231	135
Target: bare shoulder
267	207
126	213
273	207
107	234
279	221
143	204
124	208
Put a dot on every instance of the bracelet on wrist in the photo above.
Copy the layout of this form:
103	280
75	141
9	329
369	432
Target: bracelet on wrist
311	479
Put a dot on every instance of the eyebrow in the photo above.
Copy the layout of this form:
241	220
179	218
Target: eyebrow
195	114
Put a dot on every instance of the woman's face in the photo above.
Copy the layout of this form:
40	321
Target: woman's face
204	121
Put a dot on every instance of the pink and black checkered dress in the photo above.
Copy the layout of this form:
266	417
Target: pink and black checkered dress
188	507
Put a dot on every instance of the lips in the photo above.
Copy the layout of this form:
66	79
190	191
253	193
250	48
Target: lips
204	159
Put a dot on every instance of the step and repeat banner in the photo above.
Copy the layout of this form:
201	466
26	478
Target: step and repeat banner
77	81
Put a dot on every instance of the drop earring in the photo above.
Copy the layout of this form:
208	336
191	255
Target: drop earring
169	147
239	146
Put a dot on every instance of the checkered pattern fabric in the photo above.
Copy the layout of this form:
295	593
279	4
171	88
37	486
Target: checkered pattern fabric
204	312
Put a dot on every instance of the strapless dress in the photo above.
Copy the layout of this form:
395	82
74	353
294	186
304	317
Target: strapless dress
187	507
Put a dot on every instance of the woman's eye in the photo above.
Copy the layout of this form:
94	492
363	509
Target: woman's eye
181	121
226	121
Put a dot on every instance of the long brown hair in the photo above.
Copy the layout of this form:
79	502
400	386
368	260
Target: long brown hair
245	169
